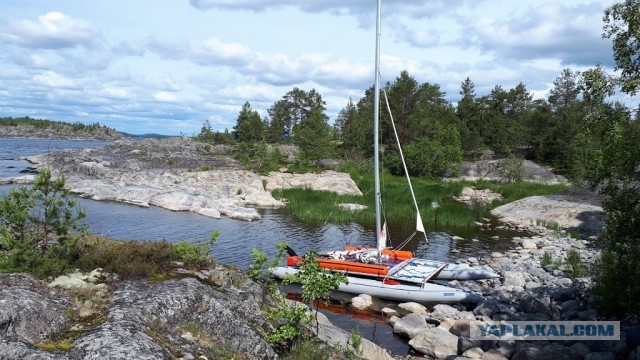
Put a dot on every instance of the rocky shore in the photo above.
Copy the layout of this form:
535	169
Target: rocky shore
529	290
207	314
179	174
216	313
60	131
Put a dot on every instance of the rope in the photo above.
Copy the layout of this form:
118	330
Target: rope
404	164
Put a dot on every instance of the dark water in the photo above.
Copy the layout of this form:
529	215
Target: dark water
237	238
11	149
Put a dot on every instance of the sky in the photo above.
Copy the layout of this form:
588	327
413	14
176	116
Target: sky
166	67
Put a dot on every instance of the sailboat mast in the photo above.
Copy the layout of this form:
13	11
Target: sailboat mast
376	117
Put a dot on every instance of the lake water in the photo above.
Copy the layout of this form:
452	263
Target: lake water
237	238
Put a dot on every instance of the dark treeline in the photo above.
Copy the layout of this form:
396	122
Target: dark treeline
29	126
565	130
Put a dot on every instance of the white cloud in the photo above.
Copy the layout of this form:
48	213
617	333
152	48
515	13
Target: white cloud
214	51
149	72
115	93
545	31
53	30
55	80
164	96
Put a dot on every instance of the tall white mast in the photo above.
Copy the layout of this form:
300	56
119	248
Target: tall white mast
376	117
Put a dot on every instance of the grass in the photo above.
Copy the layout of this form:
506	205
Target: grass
399	208
138	260
547	259
575	264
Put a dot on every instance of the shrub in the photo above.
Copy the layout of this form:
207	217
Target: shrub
512	168
547	259
128	259
575	264
196	254
429	158
39	225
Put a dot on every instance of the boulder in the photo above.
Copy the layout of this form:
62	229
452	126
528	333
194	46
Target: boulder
413	307
443	311
435	343
388	312
580	350
474	353
411	325
487	307
529	351
29	315
343	339
340	183
534	304
362	301
514	278
493	354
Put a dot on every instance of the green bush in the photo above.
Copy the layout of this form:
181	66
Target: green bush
547	259
39	225
428	158
196	254
512	168
575	263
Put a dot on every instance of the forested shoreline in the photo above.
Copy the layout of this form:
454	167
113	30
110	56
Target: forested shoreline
27	127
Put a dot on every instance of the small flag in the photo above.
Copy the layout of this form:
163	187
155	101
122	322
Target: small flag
419	225
382	239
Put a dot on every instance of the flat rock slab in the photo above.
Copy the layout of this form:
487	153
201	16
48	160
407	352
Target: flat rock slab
180	175
332	181
563	210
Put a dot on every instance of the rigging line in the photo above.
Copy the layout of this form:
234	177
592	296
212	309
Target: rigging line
404	164
383	209
406	241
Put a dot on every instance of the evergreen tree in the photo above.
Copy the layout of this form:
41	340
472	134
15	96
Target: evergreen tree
206	133
313	137
249	125
295	106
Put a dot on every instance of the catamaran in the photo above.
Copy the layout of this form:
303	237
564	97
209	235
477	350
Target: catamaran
382	271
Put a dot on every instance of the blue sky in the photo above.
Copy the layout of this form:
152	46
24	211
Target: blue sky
167	66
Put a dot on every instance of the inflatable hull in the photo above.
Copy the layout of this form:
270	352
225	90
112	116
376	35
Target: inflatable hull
402	292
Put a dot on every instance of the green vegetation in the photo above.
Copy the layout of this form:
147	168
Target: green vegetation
547	259
60	128
398	205
261	157
575	264
38	226
40	233
616	140
287	317
317	283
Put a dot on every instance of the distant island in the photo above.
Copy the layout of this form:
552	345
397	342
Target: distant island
26	127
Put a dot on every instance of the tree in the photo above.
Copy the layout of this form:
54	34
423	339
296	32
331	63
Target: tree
565	91
468	117
554	125
622	24
403	102
249	126
313	136
206	133
616	280
38	221
295	106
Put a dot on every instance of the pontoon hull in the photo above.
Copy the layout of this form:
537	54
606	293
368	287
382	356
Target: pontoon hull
422	293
